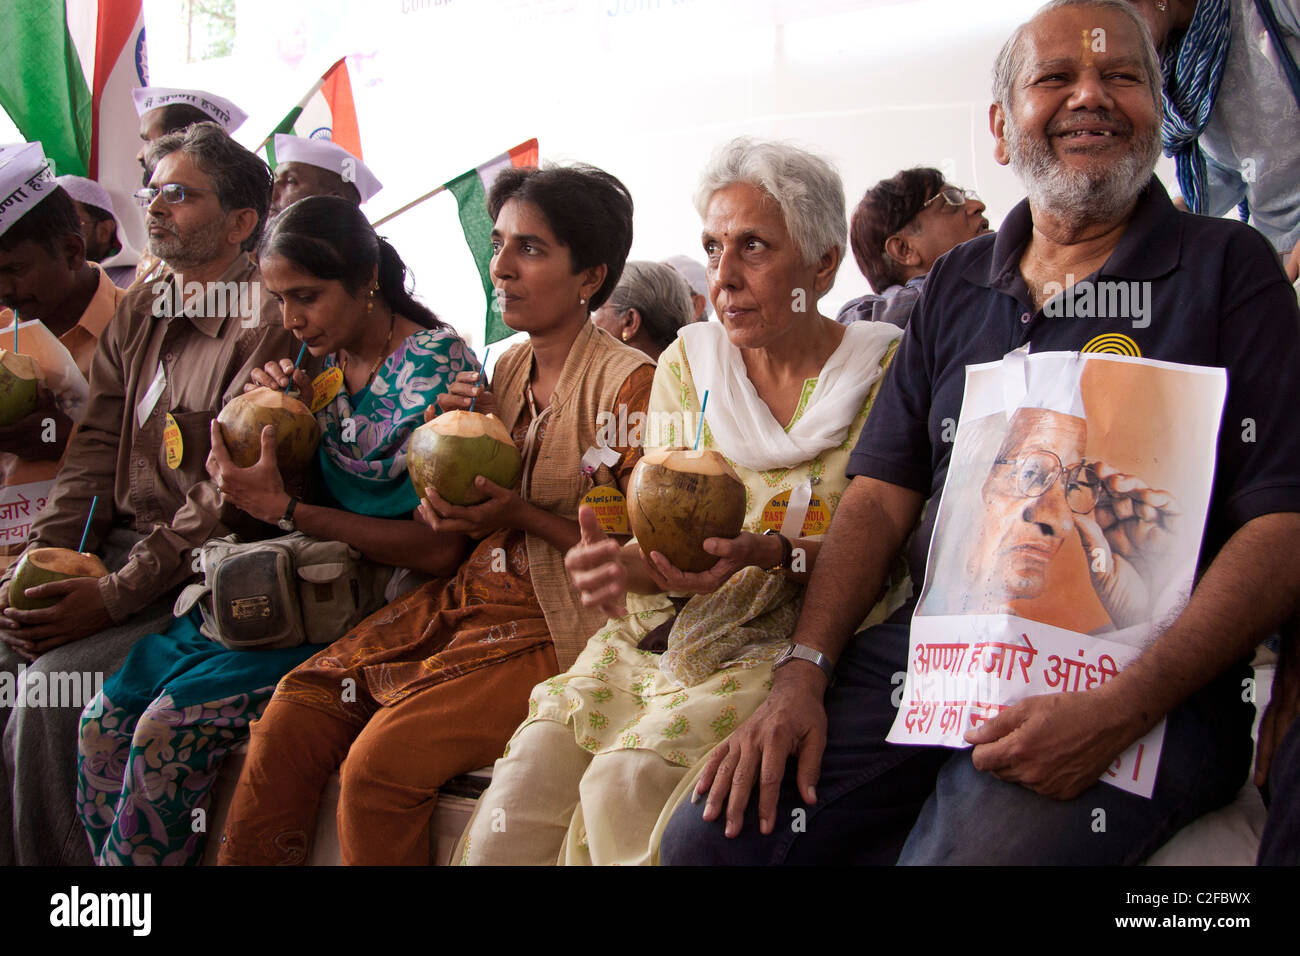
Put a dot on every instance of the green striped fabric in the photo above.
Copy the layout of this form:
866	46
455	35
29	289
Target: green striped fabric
41	84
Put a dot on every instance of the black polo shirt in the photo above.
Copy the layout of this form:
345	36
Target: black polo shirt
1217	297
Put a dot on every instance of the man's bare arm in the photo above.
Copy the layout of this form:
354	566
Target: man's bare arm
871	523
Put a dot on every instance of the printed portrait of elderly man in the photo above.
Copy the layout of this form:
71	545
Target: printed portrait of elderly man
1046	525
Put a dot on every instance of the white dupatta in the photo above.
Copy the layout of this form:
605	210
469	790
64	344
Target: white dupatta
744	428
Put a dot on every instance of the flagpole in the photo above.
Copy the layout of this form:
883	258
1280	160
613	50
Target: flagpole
302	103
414	202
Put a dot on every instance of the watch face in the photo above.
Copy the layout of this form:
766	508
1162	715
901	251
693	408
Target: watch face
285	524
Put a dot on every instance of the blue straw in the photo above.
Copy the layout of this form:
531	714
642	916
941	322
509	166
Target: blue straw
89	518
483	371
296	362
699	429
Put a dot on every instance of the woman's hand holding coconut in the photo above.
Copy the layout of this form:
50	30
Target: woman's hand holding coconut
503	509
745	550
258	491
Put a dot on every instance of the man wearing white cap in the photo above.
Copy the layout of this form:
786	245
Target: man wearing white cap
165	365
44	276
164	110
99	226
317	167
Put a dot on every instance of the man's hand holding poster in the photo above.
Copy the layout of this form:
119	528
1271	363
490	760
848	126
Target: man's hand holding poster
1067	536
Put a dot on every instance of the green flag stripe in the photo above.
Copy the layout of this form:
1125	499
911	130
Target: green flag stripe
286	127
471	204
41	85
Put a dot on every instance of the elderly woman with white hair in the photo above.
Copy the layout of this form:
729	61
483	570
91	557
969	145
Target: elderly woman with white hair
608	747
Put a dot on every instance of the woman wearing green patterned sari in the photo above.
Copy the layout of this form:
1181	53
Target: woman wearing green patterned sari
153	740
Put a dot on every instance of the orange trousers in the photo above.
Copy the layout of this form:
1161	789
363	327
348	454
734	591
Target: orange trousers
395	764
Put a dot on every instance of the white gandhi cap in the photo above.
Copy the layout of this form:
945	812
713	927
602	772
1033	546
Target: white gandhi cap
222	111
326	155
25	179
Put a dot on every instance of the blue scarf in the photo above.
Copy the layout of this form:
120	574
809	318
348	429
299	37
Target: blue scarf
1193	68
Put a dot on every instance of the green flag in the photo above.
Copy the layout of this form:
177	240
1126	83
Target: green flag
41	84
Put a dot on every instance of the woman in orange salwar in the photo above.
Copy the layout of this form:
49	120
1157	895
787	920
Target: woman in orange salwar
433	685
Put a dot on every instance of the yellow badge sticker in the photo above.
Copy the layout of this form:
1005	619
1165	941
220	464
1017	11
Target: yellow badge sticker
324	387
816	521
173	447
610	507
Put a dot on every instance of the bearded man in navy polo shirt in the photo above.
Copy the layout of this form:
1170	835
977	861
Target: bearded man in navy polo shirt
1077	115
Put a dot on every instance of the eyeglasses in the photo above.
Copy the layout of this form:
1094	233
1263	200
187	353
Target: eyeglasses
172	193
1037	472
952	196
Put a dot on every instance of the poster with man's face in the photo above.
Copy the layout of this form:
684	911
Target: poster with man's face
1067	535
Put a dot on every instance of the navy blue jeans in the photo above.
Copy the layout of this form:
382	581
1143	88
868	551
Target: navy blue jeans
1280	845
880	803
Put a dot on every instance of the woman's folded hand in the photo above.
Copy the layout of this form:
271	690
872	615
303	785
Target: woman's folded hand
595	567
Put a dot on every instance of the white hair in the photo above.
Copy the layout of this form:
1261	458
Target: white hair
806	187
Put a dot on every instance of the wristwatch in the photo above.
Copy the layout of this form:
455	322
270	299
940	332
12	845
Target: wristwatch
805	653
286	522
787	550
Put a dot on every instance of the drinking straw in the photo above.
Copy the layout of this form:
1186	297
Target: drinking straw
483	371
89	518
301	352
699	429
15	332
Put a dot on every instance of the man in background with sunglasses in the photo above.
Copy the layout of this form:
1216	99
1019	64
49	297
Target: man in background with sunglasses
901	226
158	377
1081	129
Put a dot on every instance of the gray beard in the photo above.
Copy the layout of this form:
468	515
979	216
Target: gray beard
1077	198
199	248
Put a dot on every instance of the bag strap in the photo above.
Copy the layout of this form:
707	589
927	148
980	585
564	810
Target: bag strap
1275	34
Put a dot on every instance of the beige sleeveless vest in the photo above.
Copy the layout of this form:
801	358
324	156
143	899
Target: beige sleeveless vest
597	367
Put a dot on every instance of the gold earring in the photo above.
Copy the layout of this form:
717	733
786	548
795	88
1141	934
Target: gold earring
625	335
370	305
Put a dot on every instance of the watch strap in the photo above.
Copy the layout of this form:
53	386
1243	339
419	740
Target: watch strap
286	521
805	653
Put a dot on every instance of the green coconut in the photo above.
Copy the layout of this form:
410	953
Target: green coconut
450	451
19	375
46	565
677	499
296	431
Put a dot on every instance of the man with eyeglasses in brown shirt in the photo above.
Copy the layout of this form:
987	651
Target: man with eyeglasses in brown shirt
177	349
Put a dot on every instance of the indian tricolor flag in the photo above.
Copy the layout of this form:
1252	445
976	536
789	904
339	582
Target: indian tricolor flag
326	112
470	190
66	75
